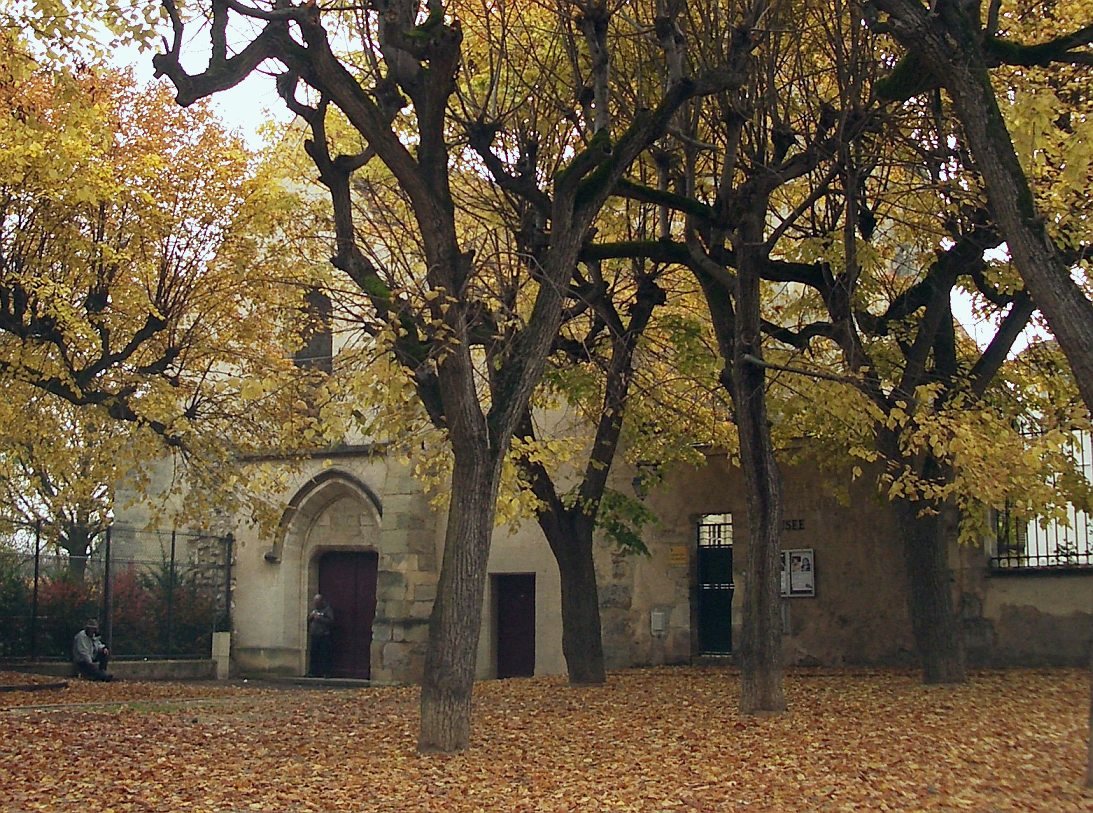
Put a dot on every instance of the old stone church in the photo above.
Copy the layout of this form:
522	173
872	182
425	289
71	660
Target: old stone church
358	528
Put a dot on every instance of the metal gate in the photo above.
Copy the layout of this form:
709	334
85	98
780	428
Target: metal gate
715	585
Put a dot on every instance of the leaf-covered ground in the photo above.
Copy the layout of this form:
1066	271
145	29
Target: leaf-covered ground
652	740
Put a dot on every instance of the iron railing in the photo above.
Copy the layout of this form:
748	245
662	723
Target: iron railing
1048	543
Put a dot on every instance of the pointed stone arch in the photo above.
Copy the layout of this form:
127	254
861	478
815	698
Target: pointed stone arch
332	515
315	496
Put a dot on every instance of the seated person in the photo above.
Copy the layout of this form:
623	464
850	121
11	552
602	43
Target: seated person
90	653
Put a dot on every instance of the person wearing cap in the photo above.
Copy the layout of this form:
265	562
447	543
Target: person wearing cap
90	653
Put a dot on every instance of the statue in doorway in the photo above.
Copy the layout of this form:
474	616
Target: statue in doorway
320	624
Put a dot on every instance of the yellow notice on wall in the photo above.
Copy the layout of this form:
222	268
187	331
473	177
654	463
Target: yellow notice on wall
678	556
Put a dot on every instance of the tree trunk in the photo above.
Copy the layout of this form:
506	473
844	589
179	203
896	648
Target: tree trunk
77	566
456	618
761	639
570	538
76	541
1089	757
936	628
1067	310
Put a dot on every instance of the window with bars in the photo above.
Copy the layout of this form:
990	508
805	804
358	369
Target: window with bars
715	531
1035	544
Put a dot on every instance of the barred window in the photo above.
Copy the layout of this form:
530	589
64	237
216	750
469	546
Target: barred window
1036	544
715	530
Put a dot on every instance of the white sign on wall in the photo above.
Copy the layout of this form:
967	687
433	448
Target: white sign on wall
799	572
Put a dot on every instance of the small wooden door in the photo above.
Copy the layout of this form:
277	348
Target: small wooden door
515	612
348	581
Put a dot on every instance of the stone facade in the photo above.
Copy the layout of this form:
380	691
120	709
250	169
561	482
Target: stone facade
859	613
349	504
857	616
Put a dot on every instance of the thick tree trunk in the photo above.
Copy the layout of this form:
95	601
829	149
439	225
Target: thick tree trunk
1089	757
570	538
76	541
761	644
457	612
761	687
761	639
77	566
936	628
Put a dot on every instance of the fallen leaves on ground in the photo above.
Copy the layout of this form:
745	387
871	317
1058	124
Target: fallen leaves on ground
80	691
11	680
652	741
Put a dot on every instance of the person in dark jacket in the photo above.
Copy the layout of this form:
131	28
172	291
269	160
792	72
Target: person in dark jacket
320	625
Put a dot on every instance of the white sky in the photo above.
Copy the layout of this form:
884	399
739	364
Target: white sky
245	107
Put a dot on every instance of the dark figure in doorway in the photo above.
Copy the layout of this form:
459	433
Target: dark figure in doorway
89	652
320	622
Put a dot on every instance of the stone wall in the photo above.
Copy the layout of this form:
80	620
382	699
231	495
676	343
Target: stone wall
1029	618
858	615
352	504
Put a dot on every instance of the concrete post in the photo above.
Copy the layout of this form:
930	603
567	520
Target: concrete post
222	648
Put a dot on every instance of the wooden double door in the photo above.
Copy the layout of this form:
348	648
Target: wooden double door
347	579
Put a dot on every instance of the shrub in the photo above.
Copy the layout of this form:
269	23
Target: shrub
15	606
64	604
140	611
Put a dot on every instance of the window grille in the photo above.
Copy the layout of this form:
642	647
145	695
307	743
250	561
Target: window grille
1034	544
715	531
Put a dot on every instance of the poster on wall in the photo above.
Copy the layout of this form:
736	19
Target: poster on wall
799	572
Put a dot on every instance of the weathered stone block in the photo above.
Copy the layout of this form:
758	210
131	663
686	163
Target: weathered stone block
390	584
425	592
403	661
416	632
393	542
409	522
421	543
616	596
401	562
382	632
395	610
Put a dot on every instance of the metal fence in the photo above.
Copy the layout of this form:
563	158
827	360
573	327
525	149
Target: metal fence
157	594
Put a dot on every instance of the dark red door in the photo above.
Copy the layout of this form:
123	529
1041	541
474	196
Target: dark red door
348	581
515	595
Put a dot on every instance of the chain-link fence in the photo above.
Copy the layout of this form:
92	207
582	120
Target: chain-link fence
157	594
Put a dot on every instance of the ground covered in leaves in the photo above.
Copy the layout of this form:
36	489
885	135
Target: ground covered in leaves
651	740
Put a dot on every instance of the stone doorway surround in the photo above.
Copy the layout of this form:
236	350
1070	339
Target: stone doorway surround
337	511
